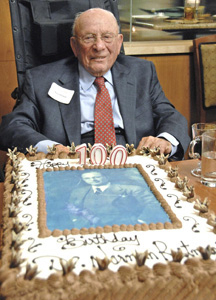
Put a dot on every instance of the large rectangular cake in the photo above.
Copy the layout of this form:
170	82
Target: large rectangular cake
143	236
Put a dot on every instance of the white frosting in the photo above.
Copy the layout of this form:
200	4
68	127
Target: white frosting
119	247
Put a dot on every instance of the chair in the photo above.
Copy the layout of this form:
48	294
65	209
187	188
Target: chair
205	77
1	175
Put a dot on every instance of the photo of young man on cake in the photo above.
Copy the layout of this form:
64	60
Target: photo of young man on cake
99	95
107	197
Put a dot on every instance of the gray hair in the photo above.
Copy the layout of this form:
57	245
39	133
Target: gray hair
75	22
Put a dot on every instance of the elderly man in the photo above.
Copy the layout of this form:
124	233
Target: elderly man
58	104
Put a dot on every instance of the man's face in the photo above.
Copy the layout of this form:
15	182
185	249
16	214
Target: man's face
97	56
94	178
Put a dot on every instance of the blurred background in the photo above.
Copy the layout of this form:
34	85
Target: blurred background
139	17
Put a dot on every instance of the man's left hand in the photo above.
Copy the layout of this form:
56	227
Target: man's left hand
60	148
154	142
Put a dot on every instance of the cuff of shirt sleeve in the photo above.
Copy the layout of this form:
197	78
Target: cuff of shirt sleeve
170	139
42	146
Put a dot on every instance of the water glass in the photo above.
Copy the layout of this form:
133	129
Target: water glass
190	9
208	170
195	147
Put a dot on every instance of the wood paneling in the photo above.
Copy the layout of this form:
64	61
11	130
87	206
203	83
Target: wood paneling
175	73
6	45
8	79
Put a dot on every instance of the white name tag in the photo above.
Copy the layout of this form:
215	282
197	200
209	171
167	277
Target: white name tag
60	94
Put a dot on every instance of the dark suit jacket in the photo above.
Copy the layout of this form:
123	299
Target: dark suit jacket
119	202
144	108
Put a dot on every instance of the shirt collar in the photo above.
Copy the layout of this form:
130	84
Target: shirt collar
101	187
86	79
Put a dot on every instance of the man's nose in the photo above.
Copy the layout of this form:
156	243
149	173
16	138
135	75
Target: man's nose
99	43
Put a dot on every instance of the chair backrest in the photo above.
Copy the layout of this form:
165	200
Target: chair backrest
42	29
205	77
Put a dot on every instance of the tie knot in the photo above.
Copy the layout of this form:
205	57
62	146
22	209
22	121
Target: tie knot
99	82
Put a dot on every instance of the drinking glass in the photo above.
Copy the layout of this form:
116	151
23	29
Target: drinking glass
190	9
195	147
208	173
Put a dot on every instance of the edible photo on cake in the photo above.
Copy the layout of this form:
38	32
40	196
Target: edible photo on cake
100	197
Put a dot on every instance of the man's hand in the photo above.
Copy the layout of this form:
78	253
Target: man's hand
153	142
60	148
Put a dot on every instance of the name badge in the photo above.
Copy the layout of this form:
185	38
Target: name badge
60	94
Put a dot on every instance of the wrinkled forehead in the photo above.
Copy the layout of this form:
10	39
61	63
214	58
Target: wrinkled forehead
96	21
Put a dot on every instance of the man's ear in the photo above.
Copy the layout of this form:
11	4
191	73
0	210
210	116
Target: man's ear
120	41
73	44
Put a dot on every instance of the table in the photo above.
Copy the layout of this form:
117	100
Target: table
187	29
202	191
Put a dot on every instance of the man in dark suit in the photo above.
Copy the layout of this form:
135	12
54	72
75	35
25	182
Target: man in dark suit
57	106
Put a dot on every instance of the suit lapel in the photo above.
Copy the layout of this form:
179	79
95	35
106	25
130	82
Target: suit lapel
124	85
71	115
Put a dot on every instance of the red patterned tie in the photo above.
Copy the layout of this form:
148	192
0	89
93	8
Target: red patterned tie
104	124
